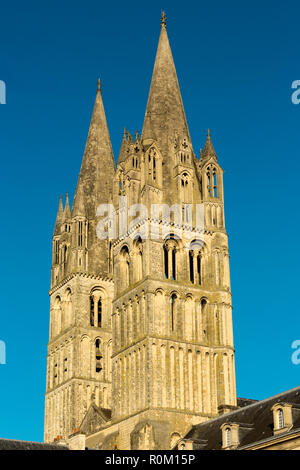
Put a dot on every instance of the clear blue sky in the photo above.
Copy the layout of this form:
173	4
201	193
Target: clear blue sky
235	63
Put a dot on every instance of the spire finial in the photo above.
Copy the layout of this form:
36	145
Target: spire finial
163	19
99	85
208	133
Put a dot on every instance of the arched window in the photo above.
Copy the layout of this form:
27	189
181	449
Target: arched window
154	168
199	268
80	233
56	251
57	316
215	184
99	312
64	253
96	308
91	310
166	262
138	259
211	173
98	356
173	311
174	264
280	419
185	187
169	252
125	265
203	316
191	263
195	262
152	165
228	437
68	308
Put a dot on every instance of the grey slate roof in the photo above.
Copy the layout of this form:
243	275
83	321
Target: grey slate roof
257	418
12	444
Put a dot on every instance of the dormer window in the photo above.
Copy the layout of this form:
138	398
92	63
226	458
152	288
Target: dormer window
228	437
282	417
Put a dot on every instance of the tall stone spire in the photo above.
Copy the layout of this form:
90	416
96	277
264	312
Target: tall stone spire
164	113
98	166
59	216
67	212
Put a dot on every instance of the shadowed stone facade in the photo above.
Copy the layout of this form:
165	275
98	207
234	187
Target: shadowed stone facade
141	346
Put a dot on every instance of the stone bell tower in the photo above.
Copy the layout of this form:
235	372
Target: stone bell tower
141	344
80	337
173	356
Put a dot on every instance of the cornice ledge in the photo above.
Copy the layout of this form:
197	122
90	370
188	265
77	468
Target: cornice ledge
79	274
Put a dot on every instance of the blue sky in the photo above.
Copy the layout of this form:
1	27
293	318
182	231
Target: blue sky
235	62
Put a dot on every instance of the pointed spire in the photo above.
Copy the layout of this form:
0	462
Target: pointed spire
67	212
78	208
164	113
208	151
123	149
98	165
163	20
59	216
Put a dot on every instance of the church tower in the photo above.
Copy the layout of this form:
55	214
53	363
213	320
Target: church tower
141	344
173	356
80	342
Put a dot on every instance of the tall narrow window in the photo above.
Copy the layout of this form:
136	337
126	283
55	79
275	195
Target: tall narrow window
215	185
203	315
173	301
209	185
65	252
195	261
91	310
280	419
212	186
199	268
80	237
98	356
138	259
100	312
56	249
169	253
185	187
166	262
228	437
191	262
174	264
125	266
152	165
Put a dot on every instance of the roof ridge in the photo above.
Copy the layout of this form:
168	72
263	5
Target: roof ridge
243	408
